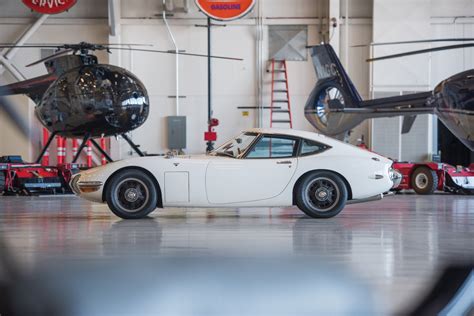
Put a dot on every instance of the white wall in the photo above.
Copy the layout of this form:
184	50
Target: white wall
233	83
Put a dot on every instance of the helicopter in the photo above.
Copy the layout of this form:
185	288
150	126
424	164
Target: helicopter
81	98
335	106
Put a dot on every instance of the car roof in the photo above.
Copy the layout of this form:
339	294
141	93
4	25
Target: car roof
287	131
298	133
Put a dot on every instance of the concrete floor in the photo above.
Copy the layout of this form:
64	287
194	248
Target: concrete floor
394	247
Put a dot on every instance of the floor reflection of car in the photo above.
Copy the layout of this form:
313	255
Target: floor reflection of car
260	167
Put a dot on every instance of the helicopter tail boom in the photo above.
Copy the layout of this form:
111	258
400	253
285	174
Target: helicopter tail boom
335	106
34	88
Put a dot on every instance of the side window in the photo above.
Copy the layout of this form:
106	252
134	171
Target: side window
273	147
309	147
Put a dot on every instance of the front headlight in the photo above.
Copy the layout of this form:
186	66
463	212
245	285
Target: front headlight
395	176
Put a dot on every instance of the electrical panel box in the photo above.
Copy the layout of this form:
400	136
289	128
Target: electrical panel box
176	132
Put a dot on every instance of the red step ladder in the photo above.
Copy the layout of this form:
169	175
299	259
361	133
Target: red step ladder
280	109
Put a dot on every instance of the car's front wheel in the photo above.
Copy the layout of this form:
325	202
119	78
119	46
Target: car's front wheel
131	194
321	194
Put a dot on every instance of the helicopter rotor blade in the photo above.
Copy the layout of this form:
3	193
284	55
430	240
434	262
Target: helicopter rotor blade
437	40
173	52
28	46
55	55
421	51
11	45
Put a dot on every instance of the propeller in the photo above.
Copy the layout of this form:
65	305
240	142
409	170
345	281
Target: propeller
437	40
421	51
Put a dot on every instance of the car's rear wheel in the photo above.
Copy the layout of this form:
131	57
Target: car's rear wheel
321	194
131	194
424	180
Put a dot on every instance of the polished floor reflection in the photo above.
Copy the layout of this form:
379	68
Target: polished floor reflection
394	247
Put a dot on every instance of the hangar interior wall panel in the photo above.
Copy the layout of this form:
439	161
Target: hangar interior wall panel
401	20
415	145
447	63
233	82
443	8
388	140
288	42
385	135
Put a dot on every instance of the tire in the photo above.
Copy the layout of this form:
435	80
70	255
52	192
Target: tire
131	194
2	182
424	180
332	198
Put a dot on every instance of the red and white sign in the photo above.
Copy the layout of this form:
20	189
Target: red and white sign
49	6
225	10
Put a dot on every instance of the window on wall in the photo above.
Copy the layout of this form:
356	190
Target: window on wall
273	147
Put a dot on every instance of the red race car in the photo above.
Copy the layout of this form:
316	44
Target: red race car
427	177
20	178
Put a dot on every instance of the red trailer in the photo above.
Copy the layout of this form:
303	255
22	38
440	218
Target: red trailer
20	178
427	177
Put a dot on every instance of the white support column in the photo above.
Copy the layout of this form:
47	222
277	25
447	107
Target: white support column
175	44
115	37
334	33
260	62
346	40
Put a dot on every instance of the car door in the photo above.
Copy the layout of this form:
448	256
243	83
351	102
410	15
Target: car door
262	173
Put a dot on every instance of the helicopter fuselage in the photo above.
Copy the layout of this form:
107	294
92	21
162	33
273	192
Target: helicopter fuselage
80	97
455	105
94	100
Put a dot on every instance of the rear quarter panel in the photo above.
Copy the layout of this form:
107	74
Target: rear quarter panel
358	168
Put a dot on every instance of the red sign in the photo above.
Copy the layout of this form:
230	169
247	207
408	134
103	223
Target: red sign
225	10
49	6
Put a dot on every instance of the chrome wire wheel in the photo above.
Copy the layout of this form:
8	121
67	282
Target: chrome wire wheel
132	195
323	194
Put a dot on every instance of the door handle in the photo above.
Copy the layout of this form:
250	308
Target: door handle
285	162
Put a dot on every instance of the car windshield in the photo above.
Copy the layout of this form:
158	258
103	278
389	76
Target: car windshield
235	147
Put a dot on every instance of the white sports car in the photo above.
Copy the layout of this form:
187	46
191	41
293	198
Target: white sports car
258	168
